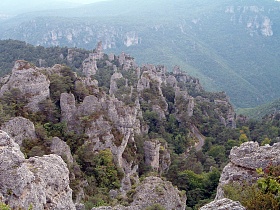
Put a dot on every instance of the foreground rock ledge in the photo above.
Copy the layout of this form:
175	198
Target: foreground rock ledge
223	204
244	161
42	182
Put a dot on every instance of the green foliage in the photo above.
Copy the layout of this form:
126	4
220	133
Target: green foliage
198	186
100	167
152	119
63	83
103	75
155	206
55	129
12	50
12	104
169	93
218	153
3	206
265	194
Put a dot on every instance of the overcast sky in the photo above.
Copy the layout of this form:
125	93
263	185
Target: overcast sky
14	7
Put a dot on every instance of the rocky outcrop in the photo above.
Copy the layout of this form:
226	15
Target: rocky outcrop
40	182
244	161
113	83
151	150
153	190
223	204
19	129
108	124
226	114
126	61
30	81
89	65
68	106
60	148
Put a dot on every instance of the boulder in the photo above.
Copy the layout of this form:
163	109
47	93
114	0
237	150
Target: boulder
19	128
60	148
223	204
244	161
30	81
40	182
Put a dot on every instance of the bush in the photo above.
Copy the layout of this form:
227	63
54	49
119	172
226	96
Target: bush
156	206
3	206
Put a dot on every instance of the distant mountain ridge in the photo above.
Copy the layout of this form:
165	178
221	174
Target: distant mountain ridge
230	45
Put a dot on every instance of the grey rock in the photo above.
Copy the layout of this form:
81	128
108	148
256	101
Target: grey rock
154	190
108	123
126	61
171	80
30	81
113	82
244	161
251	156
68	106
151	151
42	182
90	65
19	129
223	204
60	148
151	191
164	159
80	206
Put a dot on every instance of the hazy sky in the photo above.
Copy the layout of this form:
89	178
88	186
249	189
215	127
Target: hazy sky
82	1
14	7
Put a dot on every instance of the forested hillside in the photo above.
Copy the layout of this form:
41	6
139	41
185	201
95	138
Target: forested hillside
12	50
123	123
231	46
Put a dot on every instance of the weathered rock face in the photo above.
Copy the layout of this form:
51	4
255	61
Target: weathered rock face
30	81
154	190
90	64
223	204
42	182
151	149
19	129
68	106
113	82
126	61
184	104
228	117
108	123
60	148
151	191
244	161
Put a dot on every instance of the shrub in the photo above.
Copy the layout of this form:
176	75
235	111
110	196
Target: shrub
155	206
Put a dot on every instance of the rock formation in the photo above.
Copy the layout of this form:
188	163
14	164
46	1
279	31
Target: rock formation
244	161
223	204
31	82
151	149
153	190
19	129
90	64
60	148
40	182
